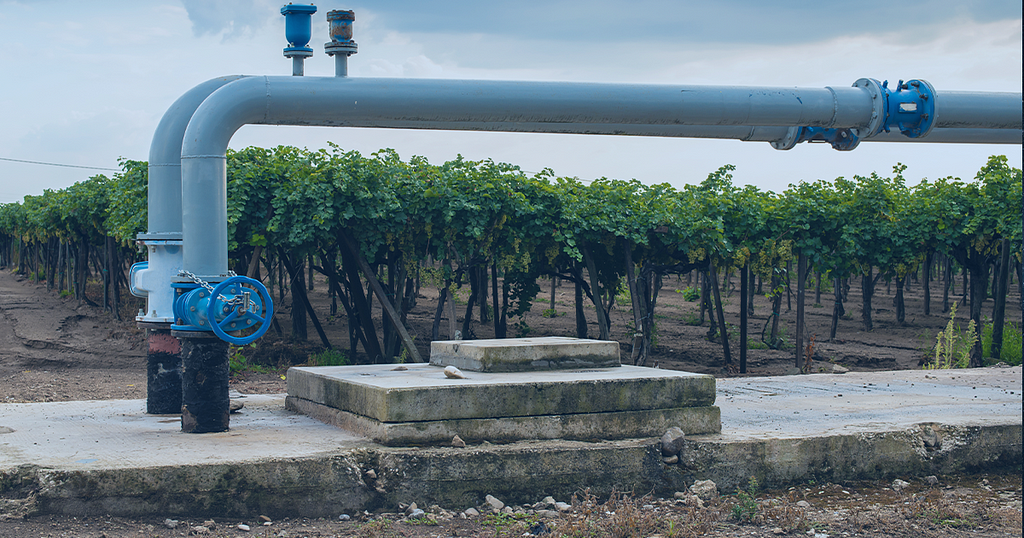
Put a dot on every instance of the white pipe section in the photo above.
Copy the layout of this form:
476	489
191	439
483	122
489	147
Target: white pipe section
745	113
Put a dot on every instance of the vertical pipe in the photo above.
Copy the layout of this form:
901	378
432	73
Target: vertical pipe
163	373
205	405
341	65
297	66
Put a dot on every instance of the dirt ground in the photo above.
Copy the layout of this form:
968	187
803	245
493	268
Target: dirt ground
53	349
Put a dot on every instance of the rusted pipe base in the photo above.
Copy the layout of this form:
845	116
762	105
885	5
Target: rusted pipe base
163	373
204	385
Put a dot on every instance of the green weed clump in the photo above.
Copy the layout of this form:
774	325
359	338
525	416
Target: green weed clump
690	294
953	345
238	362
746	508
328	357
1013	340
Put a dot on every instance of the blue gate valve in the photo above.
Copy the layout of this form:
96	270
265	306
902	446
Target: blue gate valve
236	304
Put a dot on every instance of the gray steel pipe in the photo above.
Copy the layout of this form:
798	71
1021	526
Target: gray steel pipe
165	157
744	113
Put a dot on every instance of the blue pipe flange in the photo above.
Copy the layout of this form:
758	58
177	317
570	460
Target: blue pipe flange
912	108
240	303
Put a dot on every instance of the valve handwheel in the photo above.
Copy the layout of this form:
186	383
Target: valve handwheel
257	313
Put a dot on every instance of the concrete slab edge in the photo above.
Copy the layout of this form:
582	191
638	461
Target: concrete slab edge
579	427
520	472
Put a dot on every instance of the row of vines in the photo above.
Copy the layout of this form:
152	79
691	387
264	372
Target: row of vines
376	227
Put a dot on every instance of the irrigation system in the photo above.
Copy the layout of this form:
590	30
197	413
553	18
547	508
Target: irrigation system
193	298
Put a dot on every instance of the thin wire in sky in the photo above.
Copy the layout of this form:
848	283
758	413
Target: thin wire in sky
58	164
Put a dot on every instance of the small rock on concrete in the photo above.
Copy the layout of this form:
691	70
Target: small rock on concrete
672	442
837	369
495	504
706	490
236	406
457	442
803	504
898	485
243	527
171	523
471	512
417	513
265	519
563	507
452	372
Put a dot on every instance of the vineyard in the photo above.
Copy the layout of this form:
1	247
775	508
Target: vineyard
490	242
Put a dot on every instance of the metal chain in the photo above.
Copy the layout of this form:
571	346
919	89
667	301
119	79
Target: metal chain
234	301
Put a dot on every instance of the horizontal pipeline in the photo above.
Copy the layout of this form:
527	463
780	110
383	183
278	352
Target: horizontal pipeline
742	113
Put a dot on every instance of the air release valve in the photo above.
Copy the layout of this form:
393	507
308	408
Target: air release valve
297	30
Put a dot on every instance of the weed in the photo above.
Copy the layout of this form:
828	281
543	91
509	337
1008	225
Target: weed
691	319
238	362
754	344
376	528
509	524
690	294
328	357
65	293
623	297
628	519
551	313
952	345
523	329
746	508
1013	340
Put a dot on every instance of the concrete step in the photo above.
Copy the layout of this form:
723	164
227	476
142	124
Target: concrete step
525	354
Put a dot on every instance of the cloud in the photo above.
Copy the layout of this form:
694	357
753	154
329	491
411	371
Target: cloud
745	21
232	18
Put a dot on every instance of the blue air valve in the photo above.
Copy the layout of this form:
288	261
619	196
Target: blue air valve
910	108
298	31
236	304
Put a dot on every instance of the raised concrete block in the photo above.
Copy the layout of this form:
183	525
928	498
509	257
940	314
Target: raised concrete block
421	392
525	354
416	403
576	427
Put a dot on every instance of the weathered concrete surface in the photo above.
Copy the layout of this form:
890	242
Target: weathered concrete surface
577	427
110	457
421	392
525	354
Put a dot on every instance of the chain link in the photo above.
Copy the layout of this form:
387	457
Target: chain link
234	301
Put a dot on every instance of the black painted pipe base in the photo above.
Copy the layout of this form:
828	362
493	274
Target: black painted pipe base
204	385
163	373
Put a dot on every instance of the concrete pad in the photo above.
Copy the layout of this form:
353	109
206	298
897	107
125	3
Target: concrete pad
525	354
577	427
422	393
108	457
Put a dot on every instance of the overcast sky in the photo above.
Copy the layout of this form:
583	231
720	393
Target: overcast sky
85	83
